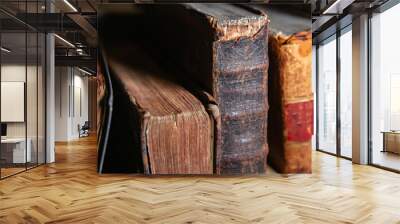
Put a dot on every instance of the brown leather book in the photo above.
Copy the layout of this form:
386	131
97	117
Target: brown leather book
222	49
170	127
290	124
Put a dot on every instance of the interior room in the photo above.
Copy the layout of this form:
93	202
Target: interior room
231	112
22	103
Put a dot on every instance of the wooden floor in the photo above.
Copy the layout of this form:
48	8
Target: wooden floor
70	191
5	172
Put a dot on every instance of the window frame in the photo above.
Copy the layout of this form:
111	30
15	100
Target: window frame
334	37
378	10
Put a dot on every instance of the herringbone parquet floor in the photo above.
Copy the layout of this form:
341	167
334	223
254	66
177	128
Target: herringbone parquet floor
70	191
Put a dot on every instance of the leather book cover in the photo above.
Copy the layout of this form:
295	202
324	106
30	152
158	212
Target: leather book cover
290	90
170	130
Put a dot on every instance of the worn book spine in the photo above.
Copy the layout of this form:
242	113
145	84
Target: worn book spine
240	88
291	99
177	144
173	131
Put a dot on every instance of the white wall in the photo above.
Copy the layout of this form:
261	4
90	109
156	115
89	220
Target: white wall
33	127
80	102
62	81
71	94
12	73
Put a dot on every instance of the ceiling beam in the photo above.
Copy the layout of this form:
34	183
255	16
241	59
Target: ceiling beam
49	22
337	7
83	61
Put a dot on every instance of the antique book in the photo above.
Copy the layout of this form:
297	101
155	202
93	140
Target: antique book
158	126
222	49
290	117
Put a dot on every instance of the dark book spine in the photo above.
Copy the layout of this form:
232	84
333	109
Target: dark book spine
240	88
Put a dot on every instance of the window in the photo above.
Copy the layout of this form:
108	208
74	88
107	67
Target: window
327	96
346	75
22	75
385	89
314	86
334	94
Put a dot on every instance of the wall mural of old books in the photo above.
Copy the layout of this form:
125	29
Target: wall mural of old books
205	89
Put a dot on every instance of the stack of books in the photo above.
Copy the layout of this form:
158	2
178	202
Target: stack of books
192	89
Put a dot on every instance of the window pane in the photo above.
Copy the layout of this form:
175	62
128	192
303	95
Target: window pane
346	94
31	99
385	84
327	96
15	150
314	81
41	98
